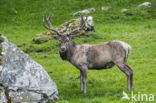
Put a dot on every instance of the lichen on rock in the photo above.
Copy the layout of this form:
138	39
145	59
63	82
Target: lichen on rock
26	80
1	90
1	40
105	8
85	11
145	4
42	37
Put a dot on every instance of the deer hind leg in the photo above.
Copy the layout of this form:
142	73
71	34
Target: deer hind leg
131	76
128	72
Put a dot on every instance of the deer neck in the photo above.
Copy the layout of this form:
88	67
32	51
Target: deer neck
71	49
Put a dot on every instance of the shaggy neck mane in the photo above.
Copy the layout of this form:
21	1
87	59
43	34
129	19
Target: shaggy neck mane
69	52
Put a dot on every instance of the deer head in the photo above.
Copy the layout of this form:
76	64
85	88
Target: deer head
64	38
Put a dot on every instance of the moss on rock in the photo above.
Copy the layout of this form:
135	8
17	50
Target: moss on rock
1	40
43	37
66	28
0	50
70	25
1	90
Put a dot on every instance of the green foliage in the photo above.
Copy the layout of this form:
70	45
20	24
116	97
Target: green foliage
1	39
136	27
94	35
1	91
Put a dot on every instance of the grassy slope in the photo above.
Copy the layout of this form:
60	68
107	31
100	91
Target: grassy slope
20	20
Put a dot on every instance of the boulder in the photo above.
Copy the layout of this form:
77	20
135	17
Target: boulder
124	10
74	23
43	37
65	28
104	8
84	12
22	80
145	4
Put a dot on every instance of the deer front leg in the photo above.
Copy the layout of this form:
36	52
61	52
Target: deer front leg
81	81
84	77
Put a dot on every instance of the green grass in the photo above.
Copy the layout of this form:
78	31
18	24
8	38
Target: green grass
20	20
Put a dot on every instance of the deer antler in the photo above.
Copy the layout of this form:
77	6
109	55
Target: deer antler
49	23
82	24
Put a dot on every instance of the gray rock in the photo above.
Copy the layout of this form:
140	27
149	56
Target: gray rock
26	80
86	11
65	28
74	23
145	4
104	8
124	10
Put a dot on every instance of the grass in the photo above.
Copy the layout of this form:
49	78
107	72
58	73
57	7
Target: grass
20	20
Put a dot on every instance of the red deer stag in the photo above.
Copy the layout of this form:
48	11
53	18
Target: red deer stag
86	56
